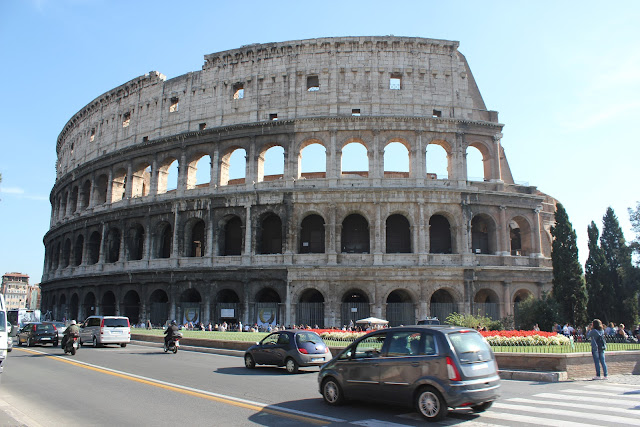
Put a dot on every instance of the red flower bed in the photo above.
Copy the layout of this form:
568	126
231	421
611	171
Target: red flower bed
517	333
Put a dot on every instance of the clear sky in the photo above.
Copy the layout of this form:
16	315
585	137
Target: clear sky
564	77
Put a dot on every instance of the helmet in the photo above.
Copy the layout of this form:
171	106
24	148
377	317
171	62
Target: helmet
73	322
173	322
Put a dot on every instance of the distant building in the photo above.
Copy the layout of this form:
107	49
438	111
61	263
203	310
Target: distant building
33	297
15	287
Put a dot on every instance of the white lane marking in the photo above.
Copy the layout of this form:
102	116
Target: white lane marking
627	388
377	423
205	392
576	414
603	394
531	420
594	399
603	408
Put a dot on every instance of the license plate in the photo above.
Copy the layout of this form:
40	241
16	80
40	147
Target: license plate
46	339
318	359
116	332
479	366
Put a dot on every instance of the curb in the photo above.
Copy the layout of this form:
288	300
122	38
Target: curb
547	377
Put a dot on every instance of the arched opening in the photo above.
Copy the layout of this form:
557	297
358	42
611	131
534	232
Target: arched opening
63	312
476	165
199	171
310	309
101	189
66	253
269	236
233	167
313	161
118	185
164	240
93	250
73	201
108	306
159	307
355	306
141	180
228	307
437	160
439	235
168	175
113	245
486	304
63	205
271	164
131	304
518	297
231	239
400	308
89	305
312	235
398	234
85	195
196	238
74	304
268	308
135	242
396	160
355	234
442	304
189	310
56	256
355	160
77	250
520	236
483	235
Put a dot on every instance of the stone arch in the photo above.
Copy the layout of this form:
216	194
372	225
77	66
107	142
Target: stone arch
355	236
163	240
312	235
397	159
312	159
158	307
131	306
102	184
310	308
141	179
442	303
63	311
85	194
93	249
272	158
195	237
113	245
135	242
118	185
486	154
398	234
352	154
189	308
441	240
74	307
236	161
269	234
355	305
268	294
66	253
520	236
168	174
89	304
196	176
400	308
108	305
78	248
486	303
484	239
438	159
73	200
231	236
521	295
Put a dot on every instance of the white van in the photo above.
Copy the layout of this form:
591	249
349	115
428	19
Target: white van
4	333
101	330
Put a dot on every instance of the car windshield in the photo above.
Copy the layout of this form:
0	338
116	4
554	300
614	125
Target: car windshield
116	323
470	347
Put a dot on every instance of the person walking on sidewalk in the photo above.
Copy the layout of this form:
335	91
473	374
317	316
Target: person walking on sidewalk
598	346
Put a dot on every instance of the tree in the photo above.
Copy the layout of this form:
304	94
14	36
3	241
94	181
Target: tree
600	304
620	278
634	216
543	311
569	289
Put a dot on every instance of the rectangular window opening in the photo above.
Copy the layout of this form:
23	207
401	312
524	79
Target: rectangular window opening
126	119
355	112
173	107
202	126
238	91
273	116
145	138
395	82
437	113
313	84
93	135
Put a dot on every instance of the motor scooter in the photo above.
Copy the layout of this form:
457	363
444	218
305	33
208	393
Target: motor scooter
174	343
72	345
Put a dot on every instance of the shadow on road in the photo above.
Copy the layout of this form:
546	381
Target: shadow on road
261	371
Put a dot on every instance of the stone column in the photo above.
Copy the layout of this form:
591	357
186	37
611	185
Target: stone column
251	168
175	247
147	239
503	232
376	159
128	189
110	187
92	192
536	241
153	190
214	179
378	237
496	167
507	309
334	157
103	244
288	306
459	164
123	239
418	160
183	173
331	247
246	254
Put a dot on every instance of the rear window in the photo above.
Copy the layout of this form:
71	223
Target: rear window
470	347
3	322
308	337
116	323
44	328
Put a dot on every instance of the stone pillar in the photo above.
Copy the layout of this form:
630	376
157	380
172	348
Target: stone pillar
183	173
536	241
147	239
210	230
459	164
103	244
496	168
418	169
246	254
378	238
123	238
175	253
214	180
330	234
376	159
420	237
251	168
503	232
207	310
468	296
507	309
288	306
110	187
334	157
128	189
153	190
92	192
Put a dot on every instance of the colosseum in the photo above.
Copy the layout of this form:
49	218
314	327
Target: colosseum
318	242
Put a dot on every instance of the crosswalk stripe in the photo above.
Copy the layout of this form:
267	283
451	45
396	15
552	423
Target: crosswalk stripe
579	414
531	420
573	405
614	401
603	394
377	423
624	388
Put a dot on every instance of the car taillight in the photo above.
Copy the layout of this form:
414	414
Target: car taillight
33	327
452	371
54	328
303	351
102	327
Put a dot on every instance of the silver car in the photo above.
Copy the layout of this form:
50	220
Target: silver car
430	368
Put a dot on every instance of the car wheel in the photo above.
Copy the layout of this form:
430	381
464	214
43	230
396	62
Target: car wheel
123	345
95	342
30	343
291	366
430	404
331	392
55	343
249	363
73	351
482	407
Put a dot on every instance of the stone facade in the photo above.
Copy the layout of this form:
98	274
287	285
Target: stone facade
323	247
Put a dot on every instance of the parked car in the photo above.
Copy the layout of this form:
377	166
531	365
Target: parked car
60	327
430	368
291	349
37	333
9	338
102	330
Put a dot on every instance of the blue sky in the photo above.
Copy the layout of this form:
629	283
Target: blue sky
564	76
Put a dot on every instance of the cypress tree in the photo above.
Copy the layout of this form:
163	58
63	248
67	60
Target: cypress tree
600	304
569	289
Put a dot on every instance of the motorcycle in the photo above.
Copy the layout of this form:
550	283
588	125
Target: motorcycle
174	343
72	345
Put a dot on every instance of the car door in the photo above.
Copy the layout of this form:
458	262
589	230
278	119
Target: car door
263	354
361	370
23	334
281	348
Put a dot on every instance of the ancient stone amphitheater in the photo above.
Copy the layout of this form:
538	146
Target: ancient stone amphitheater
322	246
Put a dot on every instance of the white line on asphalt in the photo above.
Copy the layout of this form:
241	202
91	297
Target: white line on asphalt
615	409
377	423
623	388
532	420
579	414
604	394
614	401
195	390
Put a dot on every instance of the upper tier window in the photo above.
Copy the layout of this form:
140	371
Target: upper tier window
238	91
395	82
313	83
173	107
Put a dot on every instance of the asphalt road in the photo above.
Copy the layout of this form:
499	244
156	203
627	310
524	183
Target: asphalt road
141	385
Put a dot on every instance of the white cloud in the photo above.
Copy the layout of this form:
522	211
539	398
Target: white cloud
11	190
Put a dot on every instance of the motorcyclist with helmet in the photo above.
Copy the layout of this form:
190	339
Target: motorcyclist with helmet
71	331
170	332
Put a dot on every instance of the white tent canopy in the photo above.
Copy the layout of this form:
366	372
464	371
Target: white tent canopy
373	321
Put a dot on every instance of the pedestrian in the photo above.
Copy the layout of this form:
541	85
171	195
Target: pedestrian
598	346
